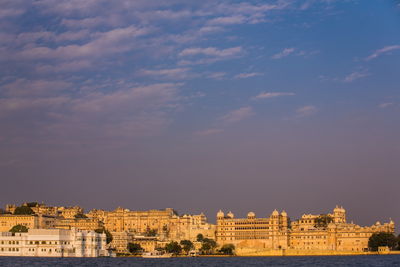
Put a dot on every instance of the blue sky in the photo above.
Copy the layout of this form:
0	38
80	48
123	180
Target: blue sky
241	97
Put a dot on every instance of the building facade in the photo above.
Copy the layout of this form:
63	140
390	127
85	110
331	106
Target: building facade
8	221
276	232
53	243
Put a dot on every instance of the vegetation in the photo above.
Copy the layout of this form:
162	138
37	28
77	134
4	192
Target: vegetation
382	239
187	245
109	236
19	229
323	220
227	249
173	247
208	246
135	248
200	238
23	210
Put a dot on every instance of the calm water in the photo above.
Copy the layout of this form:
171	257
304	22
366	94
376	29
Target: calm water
389	260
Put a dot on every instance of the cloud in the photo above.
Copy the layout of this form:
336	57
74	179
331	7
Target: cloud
385	105
247	75
216	75
284	53
382	51
227	20
212	51
24	87
174	74
273	94
111	42
209	54
209	132
306	111
356	76
237	115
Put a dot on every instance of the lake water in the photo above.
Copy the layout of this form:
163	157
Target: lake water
364	261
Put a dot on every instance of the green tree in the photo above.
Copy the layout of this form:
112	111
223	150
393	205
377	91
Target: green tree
23	210
200	238
134	248
173	247
398	242
208	246
19	229
109	237
227	249
187	245
323	220
382	239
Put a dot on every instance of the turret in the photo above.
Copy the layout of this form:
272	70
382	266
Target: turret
220	215
339	215
251	215
230	215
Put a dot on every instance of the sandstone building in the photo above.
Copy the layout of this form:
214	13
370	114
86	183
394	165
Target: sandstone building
306	234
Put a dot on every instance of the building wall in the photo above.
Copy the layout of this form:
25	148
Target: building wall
53	243
79	223
268	233
276	233
7	221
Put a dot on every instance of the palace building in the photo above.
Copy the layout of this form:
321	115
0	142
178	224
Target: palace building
330	232
53	243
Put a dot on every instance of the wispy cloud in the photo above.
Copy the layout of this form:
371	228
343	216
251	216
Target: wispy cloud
175	74
385	105
356	76
237	115
209	132
284	53
306	111
382	51
273	94
247	75
212	51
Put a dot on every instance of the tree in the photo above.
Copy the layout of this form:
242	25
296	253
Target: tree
173	247
19	229
323	220
398	242
135	248
208	245
200	238
109	236
187	245
227	249
382	239
23	210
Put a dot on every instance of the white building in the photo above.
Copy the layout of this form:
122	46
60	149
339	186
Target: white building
53	243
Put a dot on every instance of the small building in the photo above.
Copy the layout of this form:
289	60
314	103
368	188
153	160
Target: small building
53	243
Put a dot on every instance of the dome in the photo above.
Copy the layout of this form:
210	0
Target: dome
284	213
275	213
251	215
220	214
230	215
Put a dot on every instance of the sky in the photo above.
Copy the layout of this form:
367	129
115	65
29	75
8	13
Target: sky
202	105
